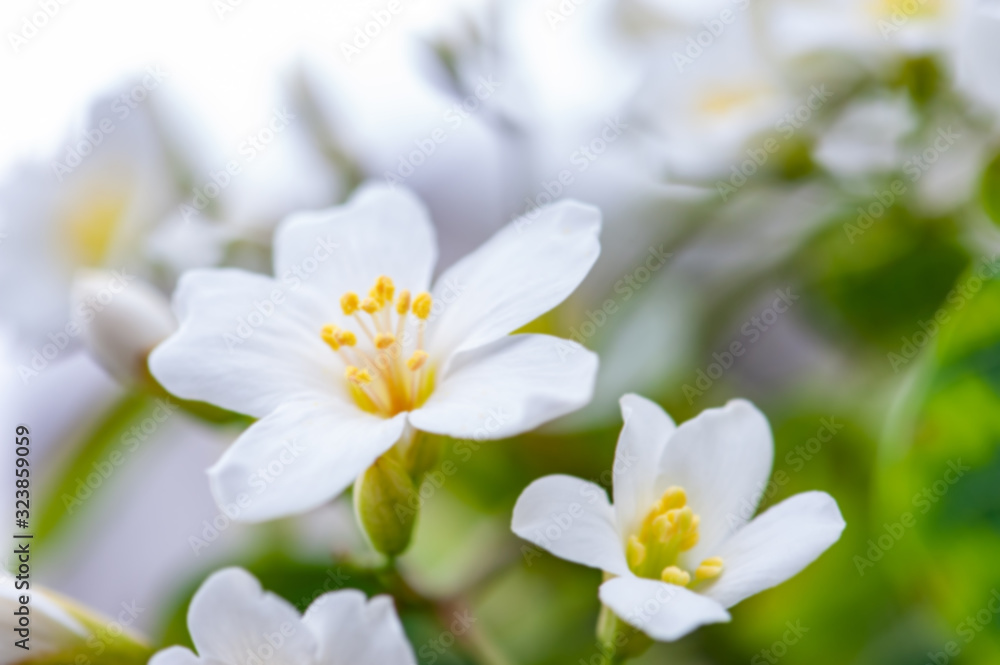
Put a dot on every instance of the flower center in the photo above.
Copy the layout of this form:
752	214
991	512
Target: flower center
921	9
380	379
90	228
669	529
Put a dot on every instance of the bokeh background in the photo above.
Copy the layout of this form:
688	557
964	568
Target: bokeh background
801	203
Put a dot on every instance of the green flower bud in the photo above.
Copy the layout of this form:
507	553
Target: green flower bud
385	506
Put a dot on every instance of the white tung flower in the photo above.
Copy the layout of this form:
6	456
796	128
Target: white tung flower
348	350
678	544
232	621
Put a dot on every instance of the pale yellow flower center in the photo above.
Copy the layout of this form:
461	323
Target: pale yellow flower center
922	9
381	380
668	530
90	228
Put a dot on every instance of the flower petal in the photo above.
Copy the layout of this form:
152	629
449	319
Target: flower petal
526	269
572	519
246	343
776	546
509	387
665	612
380	231
299	457
642	441
175	656
351	630
231	619
722	459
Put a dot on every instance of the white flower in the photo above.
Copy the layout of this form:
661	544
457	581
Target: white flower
49	625
233	622
679	541
348	350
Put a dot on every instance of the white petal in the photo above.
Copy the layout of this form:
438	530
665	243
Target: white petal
53	629
665	612
642	441
572	519
246	343
526	269
299	457
175	656
231	620
350	629
776	545
380	231
722	459
509	387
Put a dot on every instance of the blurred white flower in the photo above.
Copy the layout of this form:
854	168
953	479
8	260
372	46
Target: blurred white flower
232	621
704	105
92	206
673	569
338	378
121	318
866	137
45	627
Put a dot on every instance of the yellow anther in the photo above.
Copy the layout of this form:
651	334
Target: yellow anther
674	575
349	302
384	341
417	360
383	289
422	305
357	376
709	569
635	552
346	337
682	518
403	304
690	539
370	305
329	335
673	497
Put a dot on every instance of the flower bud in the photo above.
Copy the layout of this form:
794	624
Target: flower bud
383	501
120	319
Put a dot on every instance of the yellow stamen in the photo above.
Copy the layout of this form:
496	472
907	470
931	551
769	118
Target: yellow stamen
370	305
674	575
329	335
384	341
709	569
346	337
349	302
422	305
403	304
357	375
383	290
635	552
673	497
417	360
